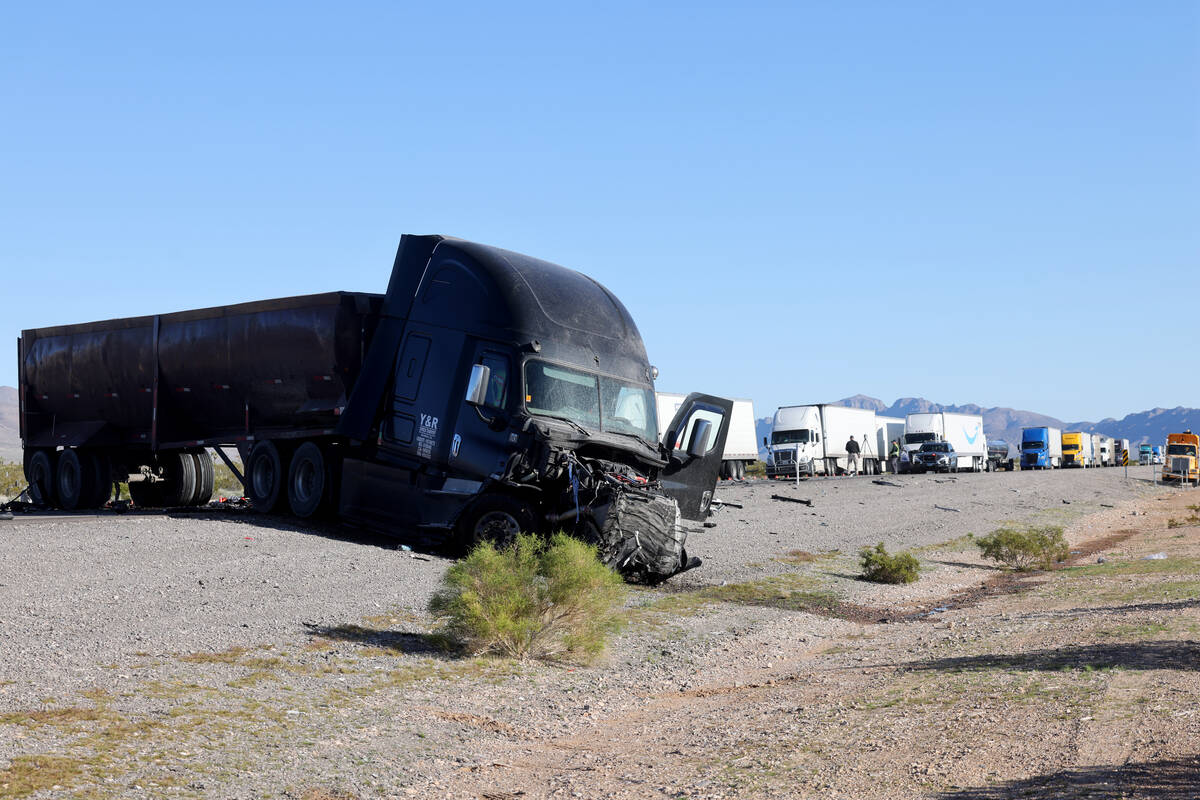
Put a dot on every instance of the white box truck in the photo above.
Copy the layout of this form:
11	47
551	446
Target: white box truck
812	440
1104	453
963	431
741	448
887	429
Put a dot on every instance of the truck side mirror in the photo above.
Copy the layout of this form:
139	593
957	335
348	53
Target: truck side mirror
698	445
477	387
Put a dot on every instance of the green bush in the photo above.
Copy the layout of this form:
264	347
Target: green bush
532	599
881	567
1025	549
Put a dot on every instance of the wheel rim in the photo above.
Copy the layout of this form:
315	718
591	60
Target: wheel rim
304	484
68	480
263	478
497	526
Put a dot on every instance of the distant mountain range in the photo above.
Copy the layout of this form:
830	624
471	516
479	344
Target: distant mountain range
1006	423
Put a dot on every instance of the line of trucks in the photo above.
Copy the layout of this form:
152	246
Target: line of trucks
813	440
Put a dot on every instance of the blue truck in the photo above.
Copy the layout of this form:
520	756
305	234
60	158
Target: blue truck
1041	448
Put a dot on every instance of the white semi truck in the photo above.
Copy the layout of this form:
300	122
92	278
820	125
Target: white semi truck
812	440
1104	452
741	449
963	431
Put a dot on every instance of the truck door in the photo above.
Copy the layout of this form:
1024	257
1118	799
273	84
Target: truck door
477	449
689	479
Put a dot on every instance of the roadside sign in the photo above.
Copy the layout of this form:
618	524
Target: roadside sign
1124	458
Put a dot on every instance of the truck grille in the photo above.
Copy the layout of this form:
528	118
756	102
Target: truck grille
783	456
1179	466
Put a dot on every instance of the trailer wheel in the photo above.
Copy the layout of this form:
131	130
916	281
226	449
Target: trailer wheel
205	478
495	518
265	476
741	470
179	478
309	481
39	471
73	480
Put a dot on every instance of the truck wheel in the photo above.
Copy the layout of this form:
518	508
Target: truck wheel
309	483
73	480
205	478
146	494
741	470
179	478
265	476
495	518
39	471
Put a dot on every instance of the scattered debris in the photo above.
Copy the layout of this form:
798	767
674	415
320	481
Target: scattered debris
722	503
791	499
6	515
419	558
947	508
1106	505
710	524
945	480
1155	557
887	483
1066	502
1101	560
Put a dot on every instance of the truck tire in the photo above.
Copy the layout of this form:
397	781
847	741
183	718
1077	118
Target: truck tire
74	481
205	478
494	518
265	476
146	494
309	484
741	470
39	472
179	478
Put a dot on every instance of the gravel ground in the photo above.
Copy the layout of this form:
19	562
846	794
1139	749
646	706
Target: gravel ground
306	641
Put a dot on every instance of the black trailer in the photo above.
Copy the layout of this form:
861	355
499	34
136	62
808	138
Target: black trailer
486	392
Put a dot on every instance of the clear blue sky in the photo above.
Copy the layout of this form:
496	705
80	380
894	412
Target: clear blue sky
994	203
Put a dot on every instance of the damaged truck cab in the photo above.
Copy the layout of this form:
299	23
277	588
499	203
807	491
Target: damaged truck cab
485	394
503	393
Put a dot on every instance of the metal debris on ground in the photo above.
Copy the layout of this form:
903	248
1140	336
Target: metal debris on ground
947	508
887	483
791	499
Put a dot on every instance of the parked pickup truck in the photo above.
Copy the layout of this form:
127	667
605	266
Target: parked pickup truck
485	393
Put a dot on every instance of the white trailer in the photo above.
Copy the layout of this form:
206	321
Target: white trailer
1097	439
741	447
812	440
963	431
1104	451
887	430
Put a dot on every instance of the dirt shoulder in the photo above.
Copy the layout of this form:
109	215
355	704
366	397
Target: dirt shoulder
801	682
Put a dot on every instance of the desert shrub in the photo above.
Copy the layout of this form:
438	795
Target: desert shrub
1174	523
534	599
1025	549
882	567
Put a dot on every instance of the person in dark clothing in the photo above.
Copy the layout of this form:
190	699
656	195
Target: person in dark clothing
852	452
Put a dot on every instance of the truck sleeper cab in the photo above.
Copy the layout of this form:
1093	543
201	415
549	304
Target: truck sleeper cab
1041	448
484	394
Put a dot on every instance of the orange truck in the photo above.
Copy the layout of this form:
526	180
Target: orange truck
1183	458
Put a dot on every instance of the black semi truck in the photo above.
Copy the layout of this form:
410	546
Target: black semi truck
484	394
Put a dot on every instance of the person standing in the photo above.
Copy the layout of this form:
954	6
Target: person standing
894	457
852	452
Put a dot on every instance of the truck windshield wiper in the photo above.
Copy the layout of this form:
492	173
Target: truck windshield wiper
570	422
635	436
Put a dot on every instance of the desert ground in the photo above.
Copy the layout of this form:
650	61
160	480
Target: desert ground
226	655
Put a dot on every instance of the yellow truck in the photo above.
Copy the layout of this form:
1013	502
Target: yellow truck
1078	449
1183	458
